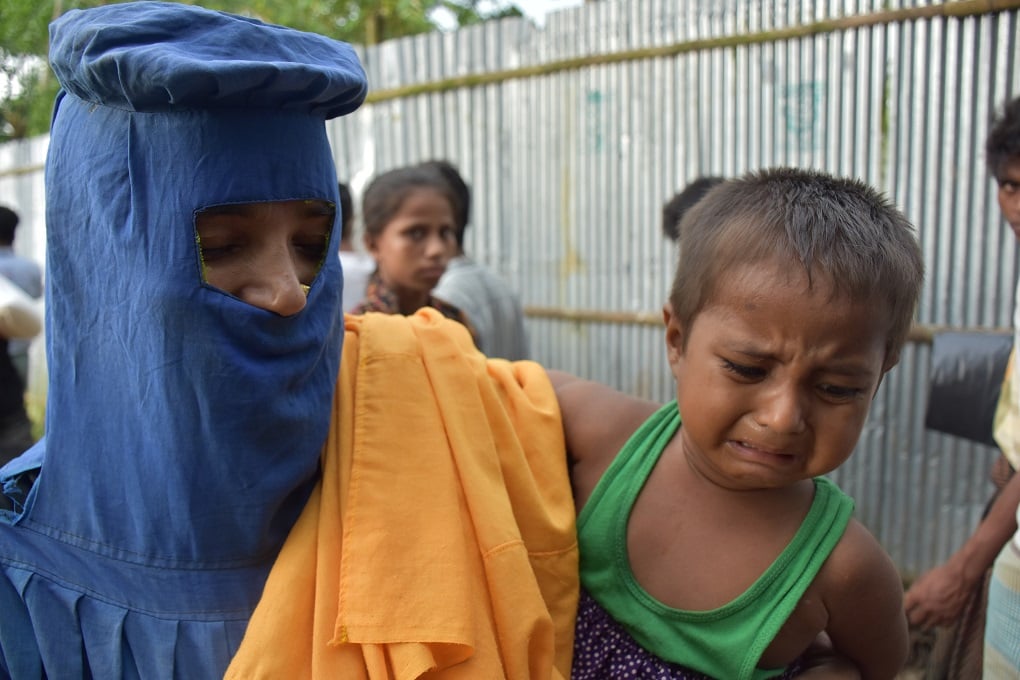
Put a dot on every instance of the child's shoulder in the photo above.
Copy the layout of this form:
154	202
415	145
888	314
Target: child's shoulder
595	415
860	560
863	593
597	422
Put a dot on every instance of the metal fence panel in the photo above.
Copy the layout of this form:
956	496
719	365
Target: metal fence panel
574	135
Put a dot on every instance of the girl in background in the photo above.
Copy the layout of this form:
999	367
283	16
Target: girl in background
410	230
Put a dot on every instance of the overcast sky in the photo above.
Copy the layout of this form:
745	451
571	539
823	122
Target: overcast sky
537	9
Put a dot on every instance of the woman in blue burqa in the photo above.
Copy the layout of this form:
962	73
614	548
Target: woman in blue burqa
192	359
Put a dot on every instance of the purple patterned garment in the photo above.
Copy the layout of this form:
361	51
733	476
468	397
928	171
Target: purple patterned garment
603	650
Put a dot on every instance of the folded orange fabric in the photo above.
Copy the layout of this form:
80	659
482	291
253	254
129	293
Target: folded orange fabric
440	541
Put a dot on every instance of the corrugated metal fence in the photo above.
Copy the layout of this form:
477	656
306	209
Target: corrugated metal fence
574	135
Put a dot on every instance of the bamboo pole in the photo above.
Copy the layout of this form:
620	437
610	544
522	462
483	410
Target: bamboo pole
956	9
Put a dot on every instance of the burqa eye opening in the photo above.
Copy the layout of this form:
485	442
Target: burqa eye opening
264	252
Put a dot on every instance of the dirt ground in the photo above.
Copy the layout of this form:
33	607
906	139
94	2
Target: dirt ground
921	644
920	647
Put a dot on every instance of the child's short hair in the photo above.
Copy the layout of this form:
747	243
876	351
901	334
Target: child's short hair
840	230
1003	140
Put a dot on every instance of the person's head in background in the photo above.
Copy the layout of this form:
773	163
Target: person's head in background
8	223
674	209
411	232
1002	153
461	191
346	218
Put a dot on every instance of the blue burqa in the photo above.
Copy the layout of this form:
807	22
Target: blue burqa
183	426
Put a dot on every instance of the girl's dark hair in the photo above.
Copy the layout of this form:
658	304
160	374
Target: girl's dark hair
387	192
839	231
460	189
1003	140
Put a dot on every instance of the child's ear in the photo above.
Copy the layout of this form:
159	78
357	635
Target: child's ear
886	367
674	334
369	242
891	359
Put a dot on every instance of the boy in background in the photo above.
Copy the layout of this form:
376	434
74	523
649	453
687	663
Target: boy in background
675	208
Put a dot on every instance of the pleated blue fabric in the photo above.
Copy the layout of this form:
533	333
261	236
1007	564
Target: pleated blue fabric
183	426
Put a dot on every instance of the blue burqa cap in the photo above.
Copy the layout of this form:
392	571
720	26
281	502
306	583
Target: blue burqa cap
150	56
183	426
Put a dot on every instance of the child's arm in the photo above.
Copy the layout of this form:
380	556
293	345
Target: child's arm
822	662
597	421
595	416
864	598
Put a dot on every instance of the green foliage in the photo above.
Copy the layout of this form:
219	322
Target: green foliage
23	26
24	41
24	34
28	113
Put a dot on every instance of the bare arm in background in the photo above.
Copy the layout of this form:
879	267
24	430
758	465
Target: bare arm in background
938	596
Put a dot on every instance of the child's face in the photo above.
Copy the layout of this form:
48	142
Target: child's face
265	253
1008	179
414	247
775	381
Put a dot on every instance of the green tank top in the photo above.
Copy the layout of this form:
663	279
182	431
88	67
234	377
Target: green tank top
726	642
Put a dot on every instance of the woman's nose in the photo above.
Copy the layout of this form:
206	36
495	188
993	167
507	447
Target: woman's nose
277	288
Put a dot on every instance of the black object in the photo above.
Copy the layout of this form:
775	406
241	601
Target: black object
966	379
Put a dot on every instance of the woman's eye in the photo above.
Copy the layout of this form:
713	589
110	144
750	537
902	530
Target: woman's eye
312	252
313	246
743	371
212	253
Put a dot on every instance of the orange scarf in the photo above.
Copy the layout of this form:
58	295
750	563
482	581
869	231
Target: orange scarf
440	541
